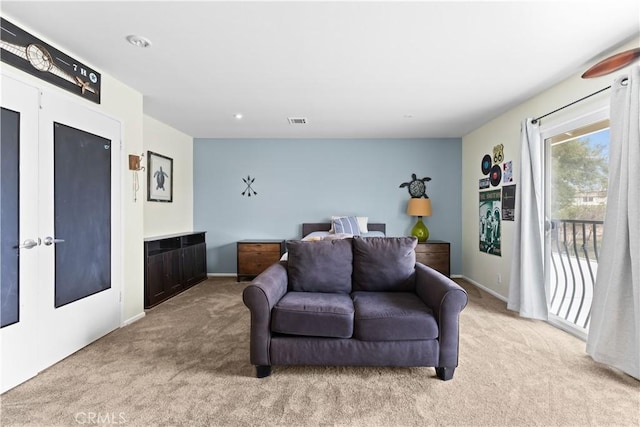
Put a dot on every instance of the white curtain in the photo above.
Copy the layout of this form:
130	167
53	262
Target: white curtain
614	333
526	285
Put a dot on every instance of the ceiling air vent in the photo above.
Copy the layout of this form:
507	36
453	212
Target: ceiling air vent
297	120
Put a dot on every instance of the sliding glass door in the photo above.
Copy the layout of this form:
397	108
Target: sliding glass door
577	158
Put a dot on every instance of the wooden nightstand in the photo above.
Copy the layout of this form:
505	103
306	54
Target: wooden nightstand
254	256
435	254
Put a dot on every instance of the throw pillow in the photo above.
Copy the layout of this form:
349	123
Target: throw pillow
346	224
363	223
320	266
384	264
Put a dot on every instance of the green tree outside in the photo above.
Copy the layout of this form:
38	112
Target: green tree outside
578	168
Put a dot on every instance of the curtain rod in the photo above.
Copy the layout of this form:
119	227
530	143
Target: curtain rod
537	119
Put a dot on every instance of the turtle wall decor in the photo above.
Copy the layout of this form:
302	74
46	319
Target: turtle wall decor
417	187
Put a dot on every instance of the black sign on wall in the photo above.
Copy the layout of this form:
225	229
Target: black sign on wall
32	55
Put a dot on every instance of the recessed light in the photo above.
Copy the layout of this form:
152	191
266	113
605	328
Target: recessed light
238	116
139	41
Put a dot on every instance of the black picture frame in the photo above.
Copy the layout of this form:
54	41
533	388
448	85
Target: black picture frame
159	178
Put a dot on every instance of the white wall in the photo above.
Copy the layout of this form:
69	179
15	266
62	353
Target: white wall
505	129
162	218
124	103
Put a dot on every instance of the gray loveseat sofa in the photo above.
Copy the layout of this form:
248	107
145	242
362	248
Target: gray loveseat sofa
354	302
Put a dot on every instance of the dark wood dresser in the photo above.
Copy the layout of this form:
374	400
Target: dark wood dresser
173	263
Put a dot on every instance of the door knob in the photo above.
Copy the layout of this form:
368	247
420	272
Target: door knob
28	244
48	241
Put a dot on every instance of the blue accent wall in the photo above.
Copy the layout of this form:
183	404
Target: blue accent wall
308	180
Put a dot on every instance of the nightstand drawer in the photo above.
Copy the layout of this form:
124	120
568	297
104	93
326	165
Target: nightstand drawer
433	248
259	247
254	263
427	259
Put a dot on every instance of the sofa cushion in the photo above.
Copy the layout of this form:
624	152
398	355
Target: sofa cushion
392	316
320	266
314	314
383	264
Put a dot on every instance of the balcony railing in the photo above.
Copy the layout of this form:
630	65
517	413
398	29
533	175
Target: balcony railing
574	265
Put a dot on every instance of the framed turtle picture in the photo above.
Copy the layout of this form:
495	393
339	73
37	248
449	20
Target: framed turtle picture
159	178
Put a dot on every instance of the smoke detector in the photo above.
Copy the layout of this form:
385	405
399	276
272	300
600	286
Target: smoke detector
297	120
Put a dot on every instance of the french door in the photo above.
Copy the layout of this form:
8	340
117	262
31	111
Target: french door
19	227
60	241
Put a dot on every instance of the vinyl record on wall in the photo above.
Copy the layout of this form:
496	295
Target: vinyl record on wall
496	175
486	164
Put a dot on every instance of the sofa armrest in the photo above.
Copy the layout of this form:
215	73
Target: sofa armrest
260	297
447	299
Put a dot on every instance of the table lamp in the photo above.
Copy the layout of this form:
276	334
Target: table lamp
419	207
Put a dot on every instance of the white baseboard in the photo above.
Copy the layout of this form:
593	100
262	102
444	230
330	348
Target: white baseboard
484	288
133	319
222	275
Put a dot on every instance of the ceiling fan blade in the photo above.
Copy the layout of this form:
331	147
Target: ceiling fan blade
612	63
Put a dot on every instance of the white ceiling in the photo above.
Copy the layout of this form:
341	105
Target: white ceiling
384	69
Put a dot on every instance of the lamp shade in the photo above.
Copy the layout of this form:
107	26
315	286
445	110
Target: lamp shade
419	207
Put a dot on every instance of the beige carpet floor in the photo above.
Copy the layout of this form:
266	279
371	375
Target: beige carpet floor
186	364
